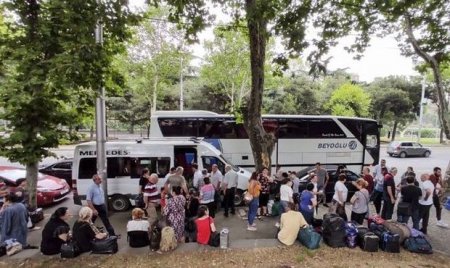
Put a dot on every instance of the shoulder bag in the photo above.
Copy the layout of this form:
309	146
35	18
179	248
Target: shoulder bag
214	238
70	249
105	246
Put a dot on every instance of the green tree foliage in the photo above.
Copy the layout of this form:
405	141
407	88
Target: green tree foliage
349	100
224	68
55	64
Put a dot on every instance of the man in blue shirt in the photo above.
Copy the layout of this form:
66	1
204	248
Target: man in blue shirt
96	201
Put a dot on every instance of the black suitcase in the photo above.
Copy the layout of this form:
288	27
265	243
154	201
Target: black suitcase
333	231
369	242
36	215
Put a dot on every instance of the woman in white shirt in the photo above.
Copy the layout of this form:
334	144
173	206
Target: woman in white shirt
286	194
340	196
138	223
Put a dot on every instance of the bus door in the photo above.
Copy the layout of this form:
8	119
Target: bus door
185	156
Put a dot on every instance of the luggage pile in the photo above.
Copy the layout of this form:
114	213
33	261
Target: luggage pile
379	234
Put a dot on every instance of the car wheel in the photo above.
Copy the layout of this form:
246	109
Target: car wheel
402	154
390	154
238	197
120	203
427	154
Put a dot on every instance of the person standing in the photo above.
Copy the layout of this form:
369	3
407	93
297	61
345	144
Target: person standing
96	202
340	197
254	189
360	201
377	195
369	179
264	180
307	203
410	195
176	180
286	193
389	194
207	193
198	176
322	179
426	201
216	179
436	179
152	198
295	187
175	213
229	185
143	180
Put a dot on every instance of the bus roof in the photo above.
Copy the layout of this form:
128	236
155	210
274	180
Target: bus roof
202	113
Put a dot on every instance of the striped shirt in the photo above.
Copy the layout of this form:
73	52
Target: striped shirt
151	192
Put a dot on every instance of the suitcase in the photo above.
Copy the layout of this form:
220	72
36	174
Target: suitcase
333	231
369	242
390	242
36	215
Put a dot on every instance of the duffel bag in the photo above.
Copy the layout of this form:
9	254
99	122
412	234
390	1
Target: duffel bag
398	228
309	238
375	218
70	250
105	246
390	242
418	244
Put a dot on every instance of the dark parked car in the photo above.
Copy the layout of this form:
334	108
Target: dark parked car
61	169
407	148
329	191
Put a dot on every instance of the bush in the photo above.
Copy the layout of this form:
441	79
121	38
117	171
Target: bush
428	133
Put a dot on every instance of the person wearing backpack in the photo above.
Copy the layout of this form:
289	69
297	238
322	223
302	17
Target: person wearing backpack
360	202
409	205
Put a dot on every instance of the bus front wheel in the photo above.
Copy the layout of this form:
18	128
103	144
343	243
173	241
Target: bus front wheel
120	203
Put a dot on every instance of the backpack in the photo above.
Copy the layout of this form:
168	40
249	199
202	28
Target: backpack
418	244
333	230
390	242
309	238
351	234
398	228
155	238
138	239
276	209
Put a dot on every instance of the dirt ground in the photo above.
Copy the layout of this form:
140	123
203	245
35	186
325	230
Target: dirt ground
294	256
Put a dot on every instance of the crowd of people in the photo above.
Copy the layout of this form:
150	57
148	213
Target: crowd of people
190	211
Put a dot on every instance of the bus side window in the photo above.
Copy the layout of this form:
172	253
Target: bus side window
87	168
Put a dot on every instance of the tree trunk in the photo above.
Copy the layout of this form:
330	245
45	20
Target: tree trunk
394	130
261	142
31	173
441	135
434	64
91	133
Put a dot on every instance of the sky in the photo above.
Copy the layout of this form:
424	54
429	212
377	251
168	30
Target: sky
381	59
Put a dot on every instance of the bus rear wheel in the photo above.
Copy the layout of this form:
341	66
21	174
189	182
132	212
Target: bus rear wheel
120	203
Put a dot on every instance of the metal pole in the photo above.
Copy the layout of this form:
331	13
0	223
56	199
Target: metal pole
181	85
421	110
100	119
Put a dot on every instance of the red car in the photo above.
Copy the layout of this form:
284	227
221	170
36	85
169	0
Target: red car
49	189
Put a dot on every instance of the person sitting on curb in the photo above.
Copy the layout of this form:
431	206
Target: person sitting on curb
290	224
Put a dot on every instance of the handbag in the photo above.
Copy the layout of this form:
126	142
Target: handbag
309	238
248	197
70	249
105	246
214	238
139	201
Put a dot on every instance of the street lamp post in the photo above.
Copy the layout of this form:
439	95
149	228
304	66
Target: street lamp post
100	118
422	97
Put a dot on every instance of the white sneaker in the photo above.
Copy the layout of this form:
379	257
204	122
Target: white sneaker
253	225
442	224
251	228
277	225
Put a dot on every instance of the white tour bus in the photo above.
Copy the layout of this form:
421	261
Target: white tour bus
127	159
301	140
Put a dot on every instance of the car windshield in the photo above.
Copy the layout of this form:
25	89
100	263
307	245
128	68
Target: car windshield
234	167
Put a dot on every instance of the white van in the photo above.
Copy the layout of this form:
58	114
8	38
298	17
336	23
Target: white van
127	159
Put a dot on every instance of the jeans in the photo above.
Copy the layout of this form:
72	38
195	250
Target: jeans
252	210
438	206
103	214
309	216
229	200
388	210
425	216
415	218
